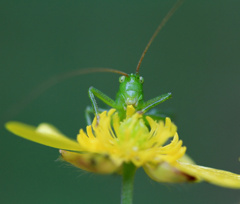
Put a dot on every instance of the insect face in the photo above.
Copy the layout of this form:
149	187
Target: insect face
131	89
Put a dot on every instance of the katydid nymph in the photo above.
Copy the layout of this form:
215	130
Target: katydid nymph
131	87
130	93
130	90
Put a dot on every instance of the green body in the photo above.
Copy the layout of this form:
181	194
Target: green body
130	93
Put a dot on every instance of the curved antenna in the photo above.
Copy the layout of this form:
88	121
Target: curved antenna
41	88
163	22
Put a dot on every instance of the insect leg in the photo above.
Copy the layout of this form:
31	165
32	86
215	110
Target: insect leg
157	114
103	97
154	102
88	111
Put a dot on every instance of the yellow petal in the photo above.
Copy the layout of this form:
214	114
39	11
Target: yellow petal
45	134
130	111
214	176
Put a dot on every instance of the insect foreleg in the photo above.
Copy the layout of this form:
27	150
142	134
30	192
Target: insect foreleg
154	102
88	111
95	92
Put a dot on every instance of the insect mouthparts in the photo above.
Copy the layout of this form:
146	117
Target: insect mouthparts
131	101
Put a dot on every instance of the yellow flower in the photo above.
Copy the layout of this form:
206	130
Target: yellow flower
109	143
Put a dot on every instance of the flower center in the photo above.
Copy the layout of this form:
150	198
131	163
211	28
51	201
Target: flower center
132	140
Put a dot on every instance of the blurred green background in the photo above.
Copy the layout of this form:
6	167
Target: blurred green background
196	57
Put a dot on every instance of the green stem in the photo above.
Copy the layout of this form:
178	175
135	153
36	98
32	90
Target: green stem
127	183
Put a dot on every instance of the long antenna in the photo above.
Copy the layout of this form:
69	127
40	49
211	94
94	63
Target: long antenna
41	88
164	21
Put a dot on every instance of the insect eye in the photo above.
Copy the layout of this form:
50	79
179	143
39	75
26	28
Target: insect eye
121	79
141	79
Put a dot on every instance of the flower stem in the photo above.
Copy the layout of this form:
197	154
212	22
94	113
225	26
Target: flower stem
127	183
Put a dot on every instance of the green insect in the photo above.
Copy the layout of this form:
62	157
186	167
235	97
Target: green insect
131	88
130	93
